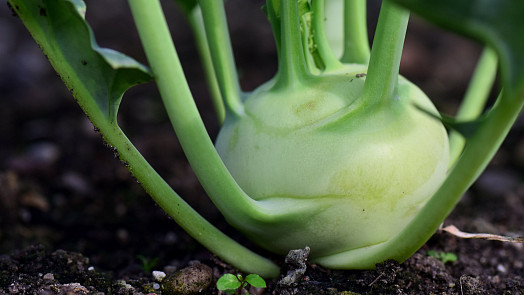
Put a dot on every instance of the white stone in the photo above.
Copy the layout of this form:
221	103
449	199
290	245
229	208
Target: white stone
501	268
159	275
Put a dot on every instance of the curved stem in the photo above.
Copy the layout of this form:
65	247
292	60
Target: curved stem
356	43
193	136
330	61
382	77
292	69
197	26
219	42
475	98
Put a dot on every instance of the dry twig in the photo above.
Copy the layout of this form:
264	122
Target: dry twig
456	232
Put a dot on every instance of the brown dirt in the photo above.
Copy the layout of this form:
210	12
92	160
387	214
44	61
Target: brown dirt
73	220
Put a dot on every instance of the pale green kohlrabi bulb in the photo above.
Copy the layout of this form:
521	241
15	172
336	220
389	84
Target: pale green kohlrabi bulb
362	172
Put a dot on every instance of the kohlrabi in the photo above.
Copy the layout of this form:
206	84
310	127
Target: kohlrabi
346	145
342	155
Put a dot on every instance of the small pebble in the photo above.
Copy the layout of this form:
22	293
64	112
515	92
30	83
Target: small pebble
159	275
193	279
70	288
156	286
296	263
501	268
126	289
49	277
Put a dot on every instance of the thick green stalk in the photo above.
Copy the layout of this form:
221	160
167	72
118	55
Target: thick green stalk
217	33
194	139
356	43
329	60
382	76
292	69
197	26
475	99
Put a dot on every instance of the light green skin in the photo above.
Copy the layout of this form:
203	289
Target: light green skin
358	178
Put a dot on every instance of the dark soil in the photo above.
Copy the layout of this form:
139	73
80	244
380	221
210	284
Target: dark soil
74	221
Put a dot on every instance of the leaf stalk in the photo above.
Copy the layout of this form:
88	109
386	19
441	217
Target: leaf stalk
215	23
356	43
292	70
330	61
382	76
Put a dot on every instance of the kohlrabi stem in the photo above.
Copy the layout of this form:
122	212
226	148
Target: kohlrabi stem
292	69
330	61
475	99
197	26
356	43
217	33
382	76
197	145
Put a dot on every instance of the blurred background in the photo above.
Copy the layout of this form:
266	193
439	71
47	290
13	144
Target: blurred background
62	187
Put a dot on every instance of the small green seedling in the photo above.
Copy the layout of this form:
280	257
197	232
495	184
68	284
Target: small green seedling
232	284
445	257
147	263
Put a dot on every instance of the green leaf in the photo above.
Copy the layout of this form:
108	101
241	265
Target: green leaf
448	257
433	254
256	281
147	263
60	29
498	23
445	257
228	282
303	7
